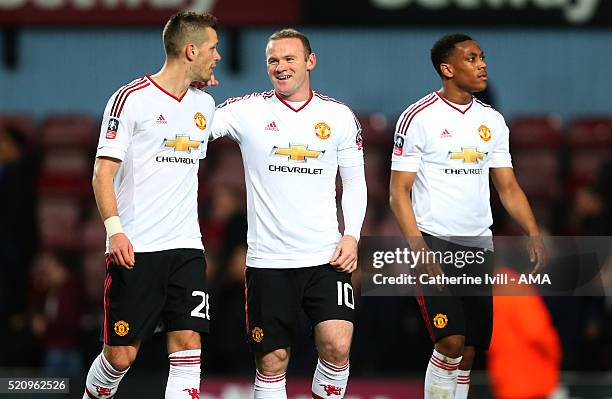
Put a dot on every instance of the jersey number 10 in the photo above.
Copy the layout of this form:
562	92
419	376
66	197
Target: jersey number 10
345	295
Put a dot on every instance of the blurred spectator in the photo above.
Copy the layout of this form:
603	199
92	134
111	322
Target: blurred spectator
18	223
227	350
55	312
525	355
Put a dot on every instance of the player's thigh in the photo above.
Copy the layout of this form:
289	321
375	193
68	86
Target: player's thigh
187	304
273	297
328	295
133	299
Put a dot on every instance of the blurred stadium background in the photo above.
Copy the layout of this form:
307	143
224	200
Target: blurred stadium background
549	68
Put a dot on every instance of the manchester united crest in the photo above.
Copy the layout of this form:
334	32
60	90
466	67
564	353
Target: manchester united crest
440	320
200	121
322	130
257	334
122	328
484	132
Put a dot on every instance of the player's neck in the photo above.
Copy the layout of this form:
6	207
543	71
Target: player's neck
455	95
172	79
301	95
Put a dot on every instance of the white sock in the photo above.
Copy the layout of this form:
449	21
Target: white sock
441	376
270	386
463	384
102	379
184	375
329	380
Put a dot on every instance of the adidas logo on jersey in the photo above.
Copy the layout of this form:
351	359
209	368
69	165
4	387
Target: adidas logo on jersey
161	120
272	126
445	134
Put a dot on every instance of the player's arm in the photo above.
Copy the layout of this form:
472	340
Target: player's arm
400	188
120	247
354	203
516	204
226	121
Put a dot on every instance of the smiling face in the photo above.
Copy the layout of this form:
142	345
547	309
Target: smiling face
289	68
466	67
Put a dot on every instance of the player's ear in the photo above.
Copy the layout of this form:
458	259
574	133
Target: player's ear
447	70
311	61
191	51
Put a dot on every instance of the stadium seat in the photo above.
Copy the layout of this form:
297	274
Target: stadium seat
23	122
66	171
69	130
535	145
589	145
58	221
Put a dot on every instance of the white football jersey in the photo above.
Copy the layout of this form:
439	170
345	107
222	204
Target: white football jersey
291	158
451	148
159	139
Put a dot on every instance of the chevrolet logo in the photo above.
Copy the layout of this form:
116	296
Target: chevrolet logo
468	155
182	143
297	152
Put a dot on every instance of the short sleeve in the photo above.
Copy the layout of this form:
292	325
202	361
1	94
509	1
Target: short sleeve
500	155
408	146
350	149
115	132
226	121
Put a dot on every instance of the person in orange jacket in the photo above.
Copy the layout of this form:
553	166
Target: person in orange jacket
525	354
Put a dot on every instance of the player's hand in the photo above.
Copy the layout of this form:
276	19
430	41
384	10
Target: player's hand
212	82
537	253
344	258
427	264
121	251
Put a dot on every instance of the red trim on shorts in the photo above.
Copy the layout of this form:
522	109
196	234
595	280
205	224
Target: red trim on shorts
421	300
246	307
106	299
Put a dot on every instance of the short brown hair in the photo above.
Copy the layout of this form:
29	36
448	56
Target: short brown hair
183	27
289	33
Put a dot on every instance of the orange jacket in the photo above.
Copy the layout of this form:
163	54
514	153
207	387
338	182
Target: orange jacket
525	354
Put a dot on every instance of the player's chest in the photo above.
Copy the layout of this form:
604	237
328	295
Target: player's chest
468	137
277	130
181	129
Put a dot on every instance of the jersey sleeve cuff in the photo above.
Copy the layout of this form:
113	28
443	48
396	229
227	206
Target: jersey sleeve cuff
111	152
350	162
403	166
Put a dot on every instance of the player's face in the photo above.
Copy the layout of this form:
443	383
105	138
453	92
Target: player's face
207	56
289	68
469	70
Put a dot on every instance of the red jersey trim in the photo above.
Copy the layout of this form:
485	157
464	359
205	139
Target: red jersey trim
453	106
121	93
127	94
410	116
289	105
166	92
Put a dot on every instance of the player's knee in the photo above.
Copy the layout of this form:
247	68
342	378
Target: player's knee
335	352
451	346
183	340
468	358
120	358
274	362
